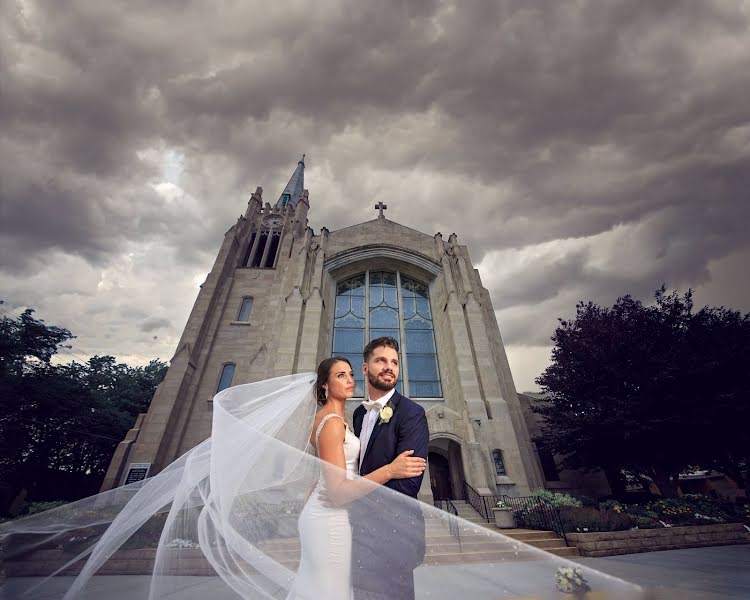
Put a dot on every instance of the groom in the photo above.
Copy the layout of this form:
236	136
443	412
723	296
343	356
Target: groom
387	424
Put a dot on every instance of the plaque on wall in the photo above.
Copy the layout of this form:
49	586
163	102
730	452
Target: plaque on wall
137	472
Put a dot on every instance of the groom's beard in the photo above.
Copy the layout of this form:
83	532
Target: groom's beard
381	385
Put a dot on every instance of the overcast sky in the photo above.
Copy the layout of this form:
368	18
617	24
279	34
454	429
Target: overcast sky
582	150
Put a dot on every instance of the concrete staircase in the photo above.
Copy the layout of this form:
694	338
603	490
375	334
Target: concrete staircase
548	541
474	542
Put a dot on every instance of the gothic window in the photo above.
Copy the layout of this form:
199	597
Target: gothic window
497	458
262	249
245	309
227	374
273	249
285	198
381	303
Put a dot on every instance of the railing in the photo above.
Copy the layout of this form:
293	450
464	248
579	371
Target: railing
482	504
536	513
449	507
529	511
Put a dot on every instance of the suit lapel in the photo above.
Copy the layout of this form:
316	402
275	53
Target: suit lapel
357	418
378	426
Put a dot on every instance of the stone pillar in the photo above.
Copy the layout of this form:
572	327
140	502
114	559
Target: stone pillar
425	489
116	468
287	344
313	313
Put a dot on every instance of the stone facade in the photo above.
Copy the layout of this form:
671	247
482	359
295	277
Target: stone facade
290	329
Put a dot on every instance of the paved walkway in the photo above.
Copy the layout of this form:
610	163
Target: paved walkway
692	574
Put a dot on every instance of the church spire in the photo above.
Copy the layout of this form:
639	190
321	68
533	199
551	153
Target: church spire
293	190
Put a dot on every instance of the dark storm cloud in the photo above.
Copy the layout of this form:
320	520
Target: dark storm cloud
153	324
623	126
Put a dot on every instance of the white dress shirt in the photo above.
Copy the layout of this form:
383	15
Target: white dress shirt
368	423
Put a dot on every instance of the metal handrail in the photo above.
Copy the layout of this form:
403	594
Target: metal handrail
529	511
448	506
536	513
482	504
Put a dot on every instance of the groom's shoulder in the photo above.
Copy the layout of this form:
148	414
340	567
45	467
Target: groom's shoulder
410	405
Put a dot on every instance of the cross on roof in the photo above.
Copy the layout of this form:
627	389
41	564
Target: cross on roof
381	207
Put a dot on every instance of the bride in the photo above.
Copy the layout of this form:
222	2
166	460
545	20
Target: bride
324	528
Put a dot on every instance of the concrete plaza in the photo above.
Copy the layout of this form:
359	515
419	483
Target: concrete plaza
692	574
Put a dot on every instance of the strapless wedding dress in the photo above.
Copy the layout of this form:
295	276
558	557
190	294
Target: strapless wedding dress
326	537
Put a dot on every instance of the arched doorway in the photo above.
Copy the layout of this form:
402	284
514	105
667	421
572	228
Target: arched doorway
440	477
446	469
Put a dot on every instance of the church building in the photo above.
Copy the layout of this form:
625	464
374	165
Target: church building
280	298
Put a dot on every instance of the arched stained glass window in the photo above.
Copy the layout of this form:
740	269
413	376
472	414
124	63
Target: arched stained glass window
382	303
349	325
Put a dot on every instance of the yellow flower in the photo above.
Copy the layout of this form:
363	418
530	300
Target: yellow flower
385	414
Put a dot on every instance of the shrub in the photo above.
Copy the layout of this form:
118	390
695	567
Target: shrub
586	519
691	509
37	507
588	501
556	498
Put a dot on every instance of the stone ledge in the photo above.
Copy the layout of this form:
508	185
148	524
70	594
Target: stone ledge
649	540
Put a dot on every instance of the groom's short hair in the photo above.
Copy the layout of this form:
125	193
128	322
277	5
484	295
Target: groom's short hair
386	341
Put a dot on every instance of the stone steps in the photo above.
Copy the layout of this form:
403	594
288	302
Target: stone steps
548	541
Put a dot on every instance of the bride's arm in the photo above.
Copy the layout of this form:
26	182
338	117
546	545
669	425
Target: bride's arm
341	490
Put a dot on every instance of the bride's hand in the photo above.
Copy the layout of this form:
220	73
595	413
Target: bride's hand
405	465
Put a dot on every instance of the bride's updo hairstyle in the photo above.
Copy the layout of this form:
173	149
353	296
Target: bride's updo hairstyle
324	370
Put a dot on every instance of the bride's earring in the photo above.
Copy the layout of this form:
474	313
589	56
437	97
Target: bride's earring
325	393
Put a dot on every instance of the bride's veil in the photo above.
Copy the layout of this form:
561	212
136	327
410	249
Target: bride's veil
222	522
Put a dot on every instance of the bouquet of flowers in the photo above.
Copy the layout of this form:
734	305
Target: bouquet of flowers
570	580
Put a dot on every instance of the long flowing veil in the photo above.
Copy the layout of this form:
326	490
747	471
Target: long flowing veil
222	521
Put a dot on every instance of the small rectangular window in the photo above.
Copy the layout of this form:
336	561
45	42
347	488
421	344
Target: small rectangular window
245	309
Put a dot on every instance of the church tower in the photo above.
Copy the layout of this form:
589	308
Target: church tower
280	298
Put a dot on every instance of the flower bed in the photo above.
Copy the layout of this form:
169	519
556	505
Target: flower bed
578	517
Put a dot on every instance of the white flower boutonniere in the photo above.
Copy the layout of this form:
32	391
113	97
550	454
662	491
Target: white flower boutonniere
385	414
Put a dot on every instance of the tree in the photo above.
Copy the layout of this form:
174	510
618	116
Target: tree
719	342
60	424
647	389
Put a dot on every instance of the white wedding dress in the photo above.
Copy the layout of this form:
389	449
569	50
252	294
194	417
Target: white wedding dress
326	536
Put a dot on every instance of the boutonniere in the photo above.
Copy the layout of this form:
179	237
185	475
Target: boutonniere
385	413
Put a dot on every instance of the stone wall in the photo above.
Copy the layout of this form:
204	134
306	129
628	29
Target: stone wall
610	543
124	562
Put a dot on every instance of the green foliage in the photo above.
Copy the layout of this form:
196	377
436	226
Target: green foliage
649	389
60	423
588	520
690	509
37	507
556	498
148	534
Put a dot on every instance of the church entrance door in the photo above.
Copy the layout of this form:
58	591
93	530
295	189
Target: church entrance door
440	477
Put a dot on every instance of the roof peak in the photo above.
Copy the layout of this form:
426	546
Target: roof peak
293	191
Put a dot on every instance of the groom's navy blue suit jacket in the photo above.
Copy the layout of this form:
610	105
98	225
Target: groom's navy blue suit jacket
406	430
383	563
